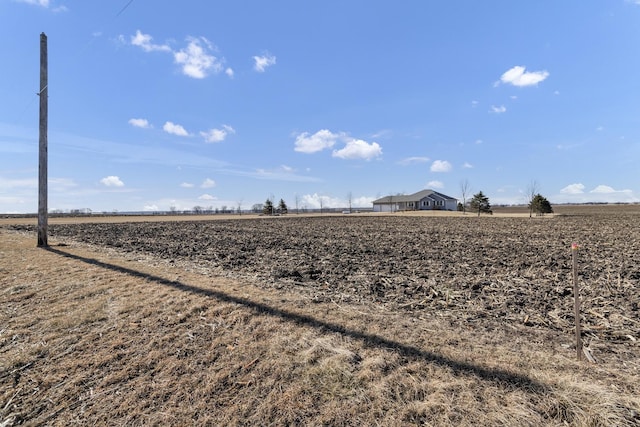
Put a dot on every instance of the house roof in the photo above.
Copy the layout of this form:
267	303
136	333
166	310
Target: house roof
415	197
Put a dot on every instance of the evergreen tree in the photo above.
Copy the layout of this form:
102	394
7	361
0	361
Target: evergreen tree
540	205
282	207
480	203
267	209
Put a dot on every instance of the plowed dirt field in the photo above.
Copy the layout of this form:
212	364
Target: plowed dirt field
504	270
486	281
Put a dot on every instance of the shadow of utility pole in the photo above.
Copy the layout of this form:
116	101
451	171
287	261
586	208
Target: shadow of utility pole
500	377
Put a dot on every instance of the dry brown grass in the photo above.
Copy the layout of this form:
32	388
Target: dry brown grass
92	338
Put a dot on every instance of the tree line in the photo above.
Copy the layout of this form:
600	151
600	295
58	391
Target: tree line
479	202
269	209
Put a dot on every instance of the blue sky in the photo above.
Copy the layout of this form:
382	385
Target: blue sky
158	104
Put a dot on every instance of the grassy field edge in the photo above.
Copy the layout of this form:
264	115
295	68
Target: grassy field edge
89	337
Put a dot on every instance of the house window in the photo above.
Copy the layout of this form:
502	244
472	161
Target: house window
425	203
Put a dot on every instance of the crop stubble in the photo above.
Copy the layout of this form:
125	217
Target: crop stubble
489	277
502	270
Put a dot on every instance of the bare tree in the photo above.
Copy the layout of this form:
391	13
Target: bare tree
531	192
239	205
350	200
465	189
297	201
321	201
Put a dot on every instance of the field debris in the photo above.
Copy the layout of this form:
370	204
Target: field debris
506	270
333	321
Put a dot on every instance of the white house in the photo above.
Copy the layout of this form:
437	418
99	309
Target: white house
421	201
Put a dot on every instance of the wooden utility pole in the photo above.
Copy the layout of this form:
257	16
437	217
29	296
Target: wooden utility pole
42	169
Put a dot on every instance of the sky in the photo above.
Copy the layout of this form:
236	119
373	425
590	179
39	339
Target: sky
160	105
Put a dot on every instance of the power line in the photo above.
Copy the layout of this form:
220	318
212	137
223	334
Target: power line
124	8
80	53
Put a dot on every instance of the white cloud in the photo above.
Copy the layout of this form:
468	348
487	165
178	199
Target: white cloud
441	166
279	171
474	103
435	184
61	184
175	129
575	193
518	76
144	41
206	197
43	3
314	201
383	134
9	184
283	173
605	189
319	141
467	165
262	62
413	160
362	202
573	189
359	149
325	139
229	72
112	181
498	110
214	135
150	207
140	123
208	183
196	60
217	135
187	185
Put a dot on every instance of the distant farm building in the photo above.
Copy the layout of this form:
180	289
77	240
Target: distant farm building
425	200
